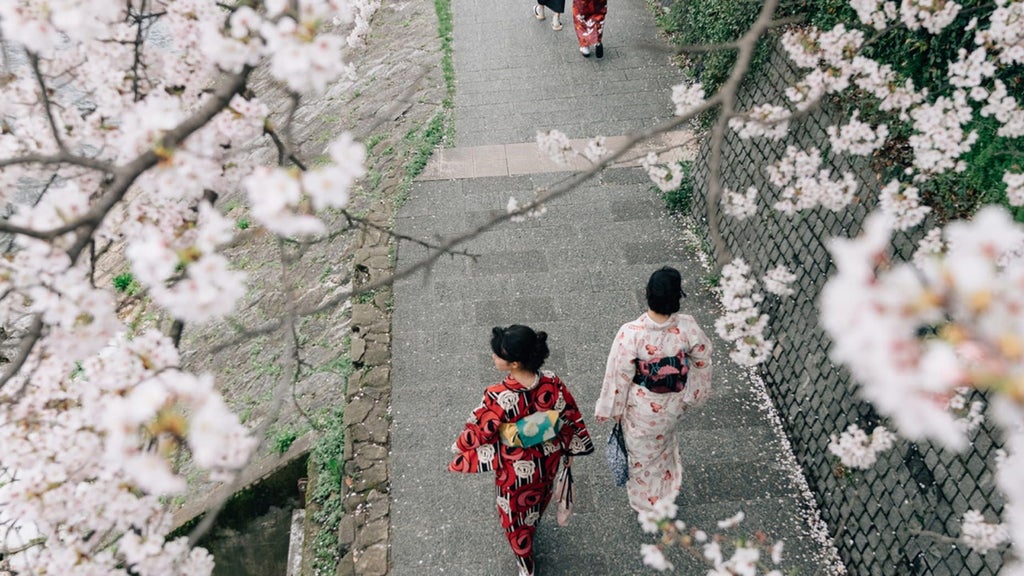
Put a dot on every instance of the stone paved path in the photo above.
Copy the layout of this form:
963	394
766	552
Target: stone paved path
576	273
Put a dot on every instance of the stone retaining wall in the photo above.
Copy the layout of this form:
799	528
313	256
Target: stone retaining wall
363	533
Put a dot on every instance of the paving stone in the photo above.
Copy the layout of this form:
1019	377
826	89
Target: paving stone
578	273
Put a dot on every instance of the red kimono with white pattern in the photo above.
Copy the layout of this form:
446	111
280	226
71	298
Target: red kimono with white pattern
524	476
649	419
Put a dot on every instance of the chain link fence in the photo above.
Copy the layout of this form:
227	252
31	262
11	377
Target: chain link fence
902	515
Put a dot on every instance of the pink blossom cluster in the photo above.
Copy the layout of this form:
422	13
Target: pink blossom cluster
764	120
686	97
873	13
739	205
128	119
901	203
666	176
859	450
555	145
948	322
805	184
980	535
750	556
743	324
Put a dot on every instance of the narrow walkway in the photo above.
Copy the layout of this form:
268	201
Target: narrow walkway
576	273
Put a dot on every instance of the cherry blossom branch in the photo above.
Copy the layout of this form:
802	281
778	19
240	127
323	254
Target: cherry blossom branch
29	341
425	244
64	158
137	60
942	538
18	549
220	97
727	97
44	96
126	175
284	151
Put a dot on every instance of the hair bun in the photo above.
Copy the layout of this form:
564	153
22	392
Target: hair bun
497	331
542	337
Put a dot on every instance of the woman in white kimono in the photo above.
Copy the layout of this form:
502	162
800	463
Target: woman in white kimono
659	366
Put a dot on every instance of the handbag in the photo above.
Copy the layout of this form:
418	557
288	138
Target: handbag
564	493
616	455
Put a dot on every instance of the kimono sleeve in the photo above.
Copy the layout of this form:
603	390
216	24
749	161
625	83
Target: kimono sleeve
698	384
475	447
618	376
574	434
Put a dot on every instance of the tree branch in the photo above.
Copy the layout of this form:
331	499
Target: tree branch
727	95
284	152
28	342
33	60
64	158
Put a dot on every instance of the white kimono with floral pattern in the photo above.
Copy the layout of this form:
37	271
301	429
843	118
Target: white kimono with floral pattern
649	419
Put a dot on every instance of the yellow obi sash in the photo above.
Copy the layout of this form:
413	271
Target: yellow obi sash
531	430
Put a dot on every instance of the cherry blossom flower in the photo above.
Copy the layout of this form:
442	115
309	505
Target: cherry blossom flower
686	97
742	324
856	137
982	536
927	14
858	450
666	177
595	150
778	281
1014	188
901	203
765	120
737	205
555	145
873	13
806	185
654	558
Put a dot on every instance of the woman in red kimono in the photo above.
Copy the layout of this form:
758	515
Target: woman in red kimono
521	430
588	20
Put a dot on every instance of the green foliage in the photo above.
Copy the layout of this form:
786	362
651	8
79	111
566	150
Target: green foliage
341	365
678	201
443	8
372	141
284	439
242	224
326	457
365	297
126	284
691	22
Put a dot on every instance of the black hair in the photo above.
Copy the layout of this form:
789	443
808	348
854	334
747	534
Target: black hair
521	344
664	289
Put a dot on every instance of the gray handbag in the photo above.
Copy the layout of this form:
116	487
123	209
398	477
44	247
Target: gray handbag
616	455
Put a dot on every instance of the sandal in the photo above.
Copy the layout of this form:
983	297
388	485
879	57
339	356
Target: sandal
585	50
538	12
556	24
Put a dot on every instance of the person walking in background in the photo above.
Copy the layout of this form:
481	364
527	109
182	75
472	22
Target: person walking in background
659	366
521	430
556	6
588	20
